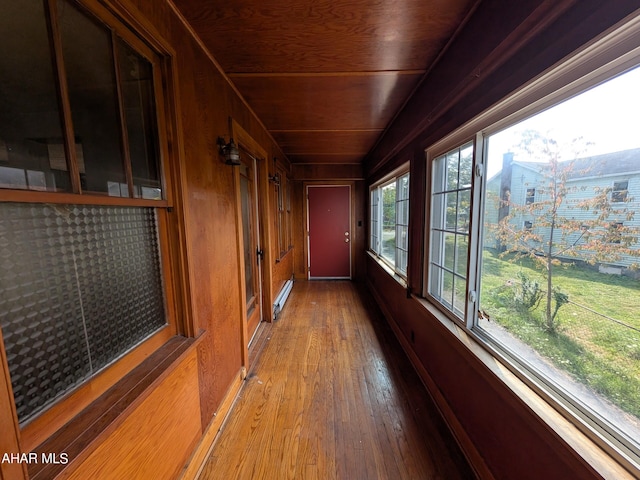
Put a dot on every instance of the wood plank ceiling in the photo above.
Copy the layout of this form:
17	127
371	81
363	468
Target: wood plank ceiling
325	76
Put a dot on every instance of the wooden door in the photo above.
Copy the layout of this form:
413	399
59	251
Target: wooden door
251	243
329	230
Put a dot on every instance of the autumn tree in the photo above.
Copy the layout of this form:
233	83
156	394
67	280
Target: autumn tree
551	224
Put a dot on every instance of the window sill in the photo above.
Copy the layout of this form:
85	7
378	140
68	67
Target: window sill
563	426
401	280
83	434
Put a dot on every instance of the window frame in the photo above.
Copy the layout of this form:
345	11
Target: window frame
44	424
432	154
375	190
613	53
619	195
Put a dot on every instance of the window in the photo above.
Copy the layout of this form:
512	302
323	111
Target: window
283	199
389	235
619	192
531	251
531	196
449	238
81	283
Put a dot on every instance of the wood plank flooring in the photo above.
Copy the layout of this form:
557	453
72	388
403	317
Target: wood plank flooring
332	396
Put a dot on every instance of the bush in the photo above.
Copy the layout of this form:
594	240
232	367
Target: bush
529	294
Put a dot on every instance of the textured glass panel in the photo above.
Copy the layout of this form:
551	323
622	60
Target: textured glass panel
79	286
91	78
118	267
31	150
40	309
136	84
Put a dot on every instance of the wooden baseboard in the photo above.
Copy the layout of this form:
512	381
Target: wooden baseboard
203	450
467	446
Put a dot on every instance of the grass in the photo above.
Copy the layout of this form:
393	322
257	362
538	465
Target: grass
597	352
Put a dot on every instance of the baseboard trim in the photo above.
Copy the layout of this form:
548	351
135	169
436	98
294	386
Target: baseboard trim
203	450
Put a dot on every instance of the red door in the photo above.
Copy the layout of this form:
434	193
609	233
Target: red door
329	217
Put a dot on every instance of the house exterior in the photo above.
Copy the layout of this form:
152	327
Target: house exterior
602	202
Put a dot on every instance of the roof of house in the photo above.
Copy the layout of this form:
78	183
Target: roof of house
625	161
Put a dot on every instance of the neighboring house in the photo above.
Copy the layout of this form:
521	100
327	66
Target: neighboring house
524	183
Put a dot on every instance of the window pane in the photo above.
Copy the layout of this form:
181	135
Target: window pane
459	296
375	227
463	209
90	68
79	287
389	222
449	245
560	251
136	84
249	253
462	250
452	210
31	151
402	223
453	160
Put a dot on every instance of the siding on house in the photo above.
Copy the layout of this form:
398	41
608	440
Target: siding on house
587	177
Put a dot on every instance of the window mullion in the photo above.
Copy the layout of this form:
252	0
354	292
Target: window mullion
478	179
63	97
379	225
397	249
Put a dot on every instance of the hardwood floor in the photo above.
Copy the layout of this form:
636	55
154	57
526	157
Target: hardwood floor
332	396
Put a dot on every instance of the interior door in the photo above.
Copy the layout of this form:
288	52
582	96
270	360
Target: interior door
251	243
329	230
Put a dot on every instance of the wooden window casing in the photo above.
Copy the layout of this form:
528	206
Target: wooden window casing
47	422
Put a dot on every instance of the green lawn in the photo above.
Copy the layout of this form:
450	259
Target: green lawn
597	352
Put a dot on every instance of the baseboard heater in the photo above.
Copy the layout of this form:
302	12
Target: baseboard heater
282	298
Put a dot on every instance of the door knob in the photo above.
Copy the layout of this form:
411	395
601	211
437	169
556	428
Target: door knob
346	240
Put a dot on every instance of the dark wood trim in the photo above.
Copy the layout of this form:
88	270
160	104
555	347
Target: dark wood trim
63	98
31	196
124	133
10	438
266	210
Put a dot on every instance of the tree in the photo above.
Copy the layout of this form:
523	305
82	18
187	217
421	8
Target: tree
548	226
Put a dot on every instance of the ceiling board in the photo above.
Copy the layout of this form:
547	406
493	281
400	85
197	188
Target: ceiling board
324	35
326	102
334	158
326	142
325	77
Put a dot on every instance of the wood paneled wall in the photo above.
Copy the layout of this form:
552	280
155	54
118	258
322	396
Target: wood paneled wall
156	439
503	46
206	102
